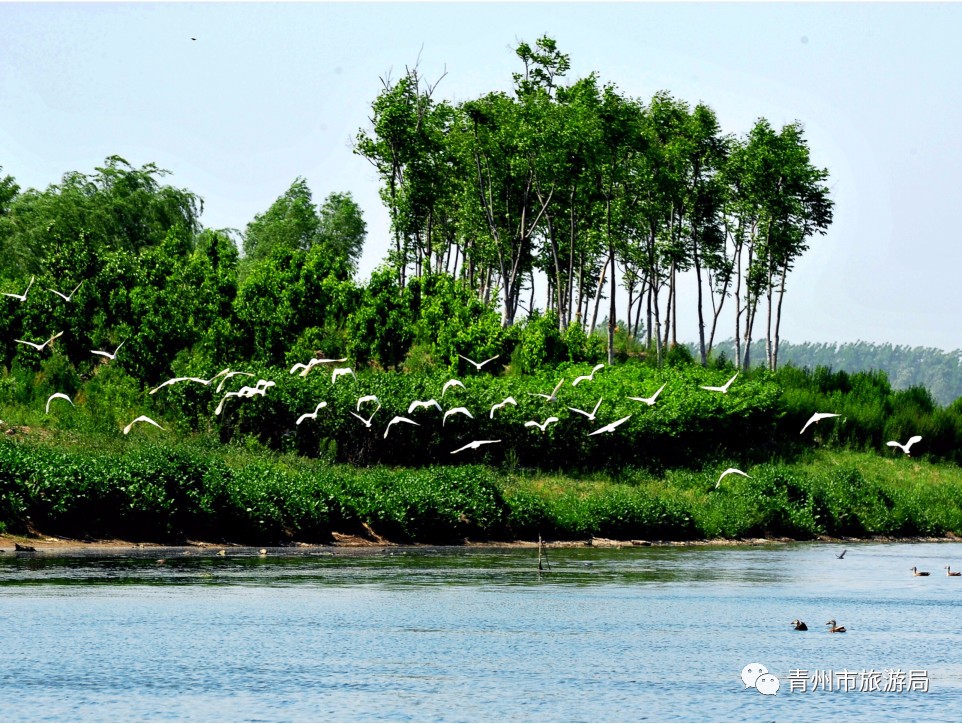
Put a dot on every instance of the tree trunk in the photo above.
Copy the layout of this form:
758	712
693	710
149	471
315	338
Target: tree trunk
648	325
601	284
666	327
428	251
571	260
674	306
657	312
641	295
698	303
611	308
582	318
447	261
768	320
778	316
554	290
531	299
738	310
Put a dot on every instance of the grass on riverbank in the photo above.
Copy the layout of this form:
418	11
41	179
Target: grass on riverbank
198	490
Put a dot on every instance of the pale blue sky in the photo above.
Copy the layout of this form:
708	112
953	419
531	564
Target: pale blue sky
271	92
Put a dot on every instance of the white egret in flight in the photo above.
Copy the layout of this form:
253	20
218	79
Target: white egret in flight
227	375
244	391
905	448
474	445
736	471
816	417
56	395
142	418
500	405
312	363
650	400
609	427
723	389
451	383
398	418
479	365
554	393
306	367
21	297
456	410
66	297
367	422
38	347
367	398
313	415
589	415
338	371
107	354
588	377
417	404
175	380
541	425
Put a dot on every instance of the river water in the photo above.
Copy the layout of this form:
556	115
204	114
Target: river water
631	634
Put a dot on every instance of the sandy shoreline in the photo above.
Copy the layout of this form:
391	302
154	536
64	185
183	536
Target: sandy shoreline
12	545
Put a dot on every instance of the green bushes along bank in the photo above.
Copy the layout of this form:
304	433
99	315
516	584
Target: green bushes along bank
146	492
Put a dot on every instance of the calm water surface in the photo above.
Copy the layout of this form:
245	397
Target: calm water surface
634	634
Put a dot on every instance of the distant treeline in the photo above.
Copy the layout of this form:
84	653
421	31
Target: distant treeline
940	372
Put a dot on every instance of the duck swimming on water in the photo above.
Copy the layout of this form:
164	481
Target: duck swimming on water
832	628
917	572
950	572
799	625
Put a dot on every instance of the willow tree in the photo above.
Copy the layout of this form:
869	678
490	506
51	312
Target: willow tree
119	207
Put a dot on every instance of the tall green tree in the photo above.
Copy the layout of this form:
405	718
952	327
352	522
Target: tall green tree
622	145
119	207
407	146
291	223
341	228
10	256
801	208
781	201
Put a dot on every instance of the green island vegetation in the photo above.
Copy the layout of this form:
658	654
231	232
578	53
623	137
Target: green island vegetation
575	184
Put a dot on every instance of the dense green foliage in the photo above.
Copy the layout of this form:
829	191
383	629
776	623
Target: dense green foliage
872	412
175	493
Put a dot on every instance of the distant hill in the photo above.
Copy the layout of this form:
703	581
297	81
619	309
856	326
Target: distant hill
937	370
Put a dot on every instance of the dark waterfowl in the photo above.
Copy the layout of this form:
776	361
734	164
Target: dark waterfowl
799	625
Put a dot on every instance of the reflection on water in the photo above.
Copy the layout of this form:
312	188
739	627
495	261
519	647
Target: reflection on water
476	635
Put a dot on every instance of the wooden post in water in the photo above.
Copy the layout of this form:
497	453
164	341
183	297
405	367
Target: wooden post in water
542	555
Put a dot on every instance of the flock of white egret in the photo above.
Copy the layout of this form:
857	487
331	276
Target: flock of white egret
261	387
